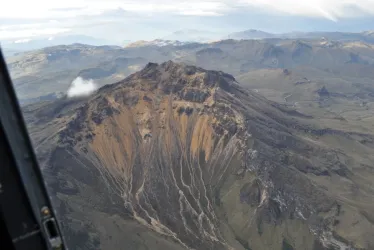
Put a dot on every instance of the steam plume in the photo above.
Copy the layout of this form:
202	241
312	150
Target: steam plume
81	87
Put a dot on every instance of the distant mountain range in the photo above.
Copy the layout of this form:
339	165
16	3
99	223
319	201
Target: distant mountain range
51	70
251	34
11	47
194	36
367	36
157	42
202	36
32	44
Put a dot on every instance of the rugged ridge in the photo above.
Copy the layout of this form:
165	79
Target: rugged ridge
193	156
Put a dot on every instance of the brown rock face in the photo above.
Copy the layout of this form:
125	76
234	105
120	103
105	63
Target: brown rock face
191	155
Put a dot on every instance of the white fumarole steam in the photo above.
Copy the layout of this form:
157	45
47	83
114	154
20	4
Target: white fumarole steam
81	87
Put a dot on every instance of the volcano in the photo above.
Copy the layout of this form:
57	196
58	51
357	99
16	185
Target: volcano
178	157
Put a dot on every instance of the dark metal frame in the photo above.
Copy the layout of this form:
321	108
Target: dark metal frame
26	211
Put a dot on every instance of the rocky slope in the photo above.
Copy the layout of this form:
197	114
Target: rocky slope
189	155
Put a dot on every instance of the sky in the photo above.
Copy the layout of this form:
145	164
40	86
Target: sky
118	21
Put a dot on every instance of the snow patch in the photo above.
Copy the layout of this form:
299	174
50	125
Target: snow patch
300	214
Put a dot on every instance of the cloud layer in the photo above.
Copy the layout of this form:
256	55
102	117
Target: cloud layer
114	18
81	87
331	9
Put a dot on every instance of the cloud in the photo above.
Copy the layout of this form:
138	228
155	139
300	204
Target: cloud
81	87
150	19
43	9
199	13
329	9
39	9
22	31
23	41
